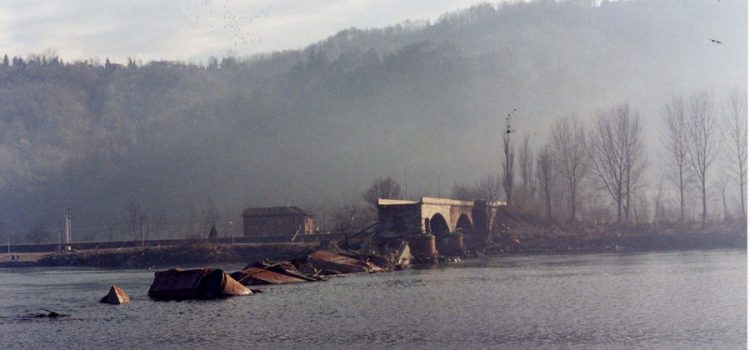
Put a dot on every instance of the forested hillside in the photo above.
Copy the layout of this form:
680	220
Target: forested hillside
176	141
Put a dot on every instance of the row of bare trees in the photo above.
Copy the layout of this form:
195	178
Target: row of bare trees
603	162
737	126
617	156
599	166
695	137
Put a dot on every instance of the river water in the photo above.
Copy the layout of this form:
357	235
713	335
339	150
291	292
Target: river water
694	299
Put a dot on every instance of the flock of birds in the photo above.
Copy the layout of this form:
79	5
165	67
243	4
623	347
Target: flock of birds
233	22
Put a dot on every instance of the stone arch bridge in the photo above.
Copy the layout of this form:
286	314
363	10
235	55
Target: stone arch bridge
441	217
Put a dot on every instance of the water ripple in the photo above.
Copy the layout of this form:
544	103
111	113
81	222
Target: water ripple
673	300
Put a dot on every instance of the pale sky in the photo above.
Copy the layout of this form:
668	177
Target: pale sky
192	30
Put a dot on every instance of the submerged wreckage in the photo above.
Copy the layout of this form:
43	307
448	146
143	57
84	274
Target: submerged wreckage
178	284
424	231
116	296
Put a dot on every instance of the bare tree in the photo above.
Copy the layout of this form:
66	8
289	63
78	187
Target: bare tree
211	216
508	171
737	127
722	186
544	169
659	211
703	143
526	163
463	192
39	234
616	153
381	188
161	221
135	222
676	142
569	149
488	188
352	218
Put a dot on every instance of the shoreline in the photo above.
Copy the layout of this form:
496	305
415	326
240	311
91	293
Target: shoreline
623	244
164	257
509	245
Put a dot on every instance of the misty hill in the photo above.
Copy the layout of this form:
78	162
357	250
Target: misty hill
316	126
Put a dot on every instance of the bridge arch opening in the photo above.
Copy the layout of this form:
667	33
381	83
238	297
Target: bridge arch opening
464	225
438	225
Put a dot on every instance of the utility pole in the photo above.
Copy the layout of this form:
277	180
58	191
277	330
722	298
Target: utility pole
143	238
68	229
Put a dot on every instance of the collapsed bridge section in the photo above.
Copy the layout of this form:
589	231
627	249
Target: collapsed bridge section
453	225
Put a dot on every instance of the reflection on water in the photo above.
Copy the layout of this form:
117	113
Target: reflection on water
685	299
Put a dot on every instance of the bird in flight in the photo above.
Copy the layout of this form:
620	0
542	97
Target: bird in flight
716	41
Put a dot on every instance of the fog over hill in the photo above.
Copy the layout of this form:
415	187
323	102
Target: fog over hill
317	126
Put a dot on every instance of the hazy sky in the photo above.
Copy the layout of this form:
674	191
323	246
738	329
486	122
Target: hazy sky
192	30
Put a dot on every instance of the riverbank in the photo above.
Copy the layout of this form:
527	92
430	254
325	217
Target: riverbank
520	235
517	236
166	257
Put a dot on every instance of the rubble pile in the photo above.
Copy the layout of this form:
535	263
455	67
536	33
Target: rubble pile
321	263
341	262
265	272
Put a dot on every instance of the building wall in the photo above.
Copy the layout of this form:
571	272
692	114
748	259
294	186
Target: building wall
278	225
399	219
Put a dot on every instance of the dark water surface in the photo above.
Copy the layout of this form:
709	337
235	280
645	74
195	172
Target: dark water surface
689	299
